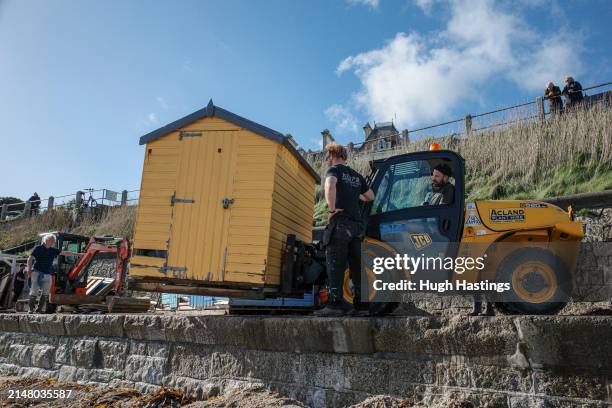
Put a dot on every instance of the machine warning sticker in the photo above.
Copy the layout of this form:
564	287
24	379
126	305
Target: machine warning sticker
420	241
533	205
507	214
472	220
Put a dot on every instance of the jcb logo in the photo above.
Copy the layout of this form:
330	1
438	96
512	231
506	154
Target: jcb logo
420	241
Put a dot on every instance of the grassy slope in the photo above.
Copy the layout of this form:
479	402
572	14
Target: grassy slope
565	156
572	154
118	221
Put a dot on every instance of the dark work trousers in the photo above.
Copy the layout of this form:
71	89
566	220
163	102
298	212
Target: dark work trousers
344	247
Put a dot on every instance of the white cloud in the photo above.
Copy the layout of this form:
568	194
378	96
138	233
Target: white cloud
343	119
373	4
555	60
152	118
421	78
162	102
425	5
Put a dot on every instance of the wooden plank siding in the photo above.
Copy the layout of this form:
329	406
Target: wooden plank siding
154	213
199	229
292	208
250	213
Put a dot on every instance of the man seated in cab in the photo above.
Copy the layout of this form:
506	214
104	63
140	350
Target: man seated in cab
443	191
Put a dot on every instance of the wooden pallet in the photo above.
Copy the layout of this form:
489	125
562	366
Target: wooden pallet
119	304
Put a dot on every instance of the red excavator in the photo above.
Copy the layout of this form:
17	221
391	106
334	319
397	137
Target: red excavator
73	285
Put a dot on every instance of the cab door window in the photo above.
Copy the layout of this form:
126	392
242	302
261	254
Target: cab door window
404	185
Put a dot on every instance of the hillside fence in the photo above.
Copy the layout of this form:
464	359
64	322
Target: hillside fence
80	200
534	111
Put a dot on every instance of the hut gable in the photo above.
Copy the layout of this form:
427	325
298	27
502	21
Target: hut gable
185	125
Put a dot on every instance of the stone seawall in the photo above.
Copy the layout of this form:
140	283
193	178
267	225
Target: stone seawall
528	361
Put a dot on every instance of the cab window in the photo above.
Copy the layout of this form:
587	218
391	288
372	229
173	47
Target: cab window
71	247
405	185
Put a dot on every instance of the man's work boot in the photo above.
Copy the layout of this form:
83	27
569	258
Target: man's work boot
42	304
334	305
360	308
31	304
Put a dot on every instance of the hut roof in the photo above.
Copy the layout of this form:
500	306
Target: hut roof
211	110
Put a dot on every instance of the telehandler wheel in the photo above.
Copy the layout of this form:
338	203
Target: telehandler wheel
374	308
539	282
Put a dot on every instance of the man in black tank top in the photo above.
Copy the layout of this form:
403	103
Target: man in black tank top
344	189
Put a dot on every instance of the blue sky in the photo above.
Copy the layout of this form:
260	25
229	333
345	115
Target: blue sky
83	80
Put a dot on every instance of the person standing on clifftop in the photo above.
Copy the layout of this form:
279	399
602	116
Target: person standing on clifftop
34	203
553	94
344	188
40	268
572	92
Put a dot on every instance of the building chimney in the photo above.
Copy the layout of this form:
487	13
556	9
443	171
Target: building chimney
367	129
327	137
405	137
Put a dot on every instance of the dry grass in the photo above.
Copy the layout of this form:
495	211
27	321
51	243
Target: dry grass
116	221
13	233
566	155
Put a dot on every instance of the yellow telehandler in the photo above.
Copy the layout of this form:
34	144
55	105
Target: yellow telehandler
530	245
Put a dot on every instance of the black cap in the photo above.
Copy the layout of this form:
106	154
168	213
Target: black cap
444	169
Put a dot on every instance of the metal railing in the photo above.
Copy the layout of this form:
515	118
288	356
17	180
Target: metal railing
82	199
532	111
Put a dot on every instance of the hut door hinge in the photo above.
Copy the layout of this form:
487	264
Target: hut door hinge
189	134
175	200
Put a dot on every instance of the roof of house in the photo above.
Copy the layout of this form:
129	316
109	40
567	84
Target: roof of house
211	110
383	129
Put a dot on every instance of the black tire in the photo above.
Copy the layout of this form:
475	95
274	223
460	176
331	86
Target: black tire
546	265
374	308
51	308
